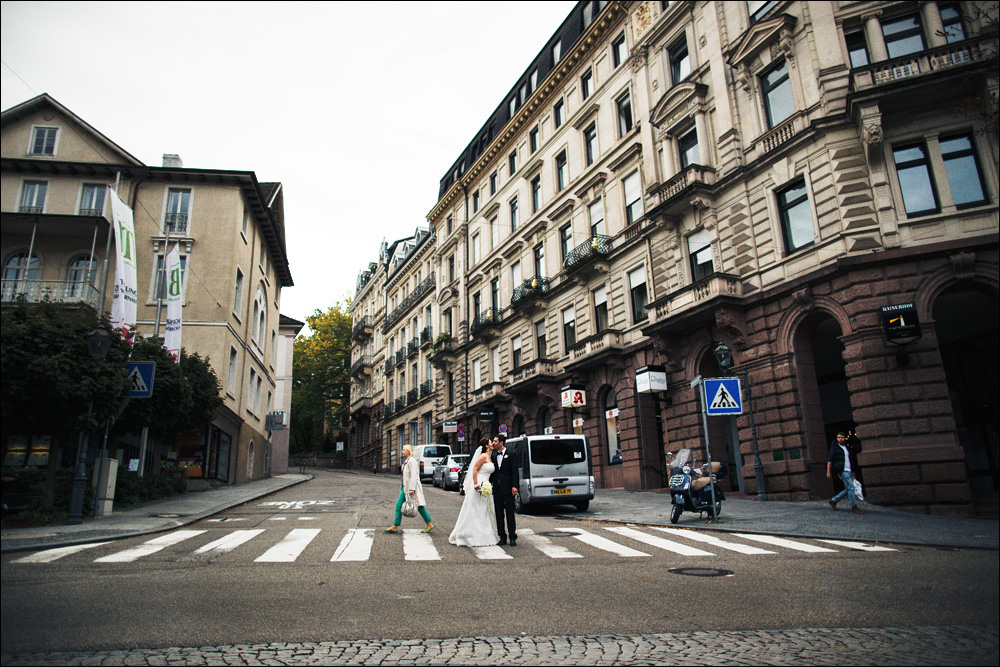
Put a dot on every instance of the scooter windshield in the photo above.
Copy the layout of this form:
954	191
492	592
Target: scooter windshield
681	458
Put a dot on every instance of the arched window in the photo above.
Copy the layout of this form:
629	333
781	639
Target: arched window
545	420
259	317
82	272
17	270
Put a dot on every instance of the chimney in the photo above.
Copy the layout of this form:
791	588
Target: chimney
172	160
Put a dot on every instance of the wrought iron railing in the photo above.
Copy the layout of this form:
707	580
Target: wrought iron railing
597	246
411	298
175	222
487	318
364	360
412	396
426	389
534	286
427	335
364	323
413	346
59	291
92	212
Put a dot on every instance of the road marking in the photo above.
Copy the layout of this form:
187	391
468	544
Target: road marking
545	545
715	541
492	552
230	542
278	518
788	544
356	545
150	547
658	542
288	549
419	546
860	546
603	543
50	555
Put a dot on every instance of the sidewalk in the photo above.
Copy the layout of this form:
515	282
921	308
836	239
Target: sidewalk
154	517
811	519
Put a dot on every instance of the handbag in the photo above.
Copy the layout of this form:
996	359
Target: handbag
410	508
857	490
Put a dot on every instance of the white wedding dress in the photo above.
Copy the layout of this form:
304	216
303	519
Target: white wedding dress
474	527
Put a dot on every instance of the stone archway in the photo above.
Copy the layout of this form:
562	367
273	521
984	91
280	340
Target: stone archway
966	325
824	396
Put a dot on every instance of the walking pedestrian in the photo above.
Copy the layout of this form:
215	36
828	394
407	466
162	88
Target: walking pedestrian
839	463
411	489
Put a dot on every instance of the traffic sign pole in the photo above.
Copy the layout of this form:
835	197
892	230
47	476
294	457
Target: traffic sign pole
708	449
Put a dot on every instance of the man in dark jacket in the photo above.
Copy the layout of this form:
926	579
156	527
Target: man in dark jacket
839	463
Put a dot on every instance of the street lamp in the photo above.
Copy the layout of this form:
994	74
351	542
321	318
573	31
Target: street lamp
724	356
98	345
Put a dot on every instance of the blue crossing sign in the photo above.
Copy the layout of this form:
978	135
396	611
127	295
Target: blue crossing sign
139	378
723	396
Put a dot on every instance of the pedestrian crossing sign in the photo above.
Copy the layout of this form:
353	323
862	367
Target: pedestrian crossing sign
723	396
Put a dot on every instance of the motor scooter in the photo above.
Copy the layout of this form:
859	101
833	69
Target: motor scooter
691	486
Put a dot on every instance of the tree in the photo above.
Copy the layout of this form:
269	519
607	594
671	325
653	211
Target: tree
321	378
185	395
50	381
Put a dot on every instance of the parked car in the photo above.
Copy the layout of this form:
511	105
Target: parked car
446	471
427	456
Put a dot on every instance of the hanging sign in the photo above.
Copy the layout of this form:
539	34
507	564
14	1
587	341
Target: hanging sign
900	324
574	396
650	379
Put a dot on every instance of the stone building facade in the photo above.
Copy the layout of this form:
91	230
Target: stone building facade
770	175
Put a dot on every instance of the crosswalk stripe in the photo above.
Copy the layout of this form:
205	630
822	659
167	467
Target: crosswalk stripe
230	542
715	541
50	555
150	547
419	546
545	545
356	545
288	549
603	543
788	544
492	552
860	546
658	542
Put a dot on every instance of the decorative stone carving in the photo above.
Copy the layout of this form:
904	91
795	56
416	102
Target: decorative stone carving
871	133
743	76
638	60
964	265
803	297
642	19
730	322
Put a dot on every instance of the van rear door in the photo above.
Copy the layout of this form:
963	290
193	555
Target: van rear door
558	466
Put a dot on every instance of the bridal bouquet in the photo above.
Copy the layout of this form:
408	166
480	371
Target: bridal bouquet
485	489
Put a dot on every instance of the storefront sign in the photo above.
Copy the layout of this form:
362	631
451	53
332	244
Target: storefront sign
900	323
650	379
611	414
574	396
549	430
578	422
487	414
451	427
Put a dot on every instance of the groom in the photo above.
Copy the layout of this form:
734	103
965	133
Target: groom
505	481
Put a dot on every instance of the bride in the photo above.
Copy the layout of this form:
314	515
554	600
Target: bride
474	527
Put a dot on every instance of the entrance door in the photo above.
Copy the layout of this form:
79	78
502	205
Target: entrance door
965	321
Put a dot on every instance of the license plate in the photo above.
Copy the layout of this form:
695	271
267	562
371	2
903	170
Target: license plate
558	491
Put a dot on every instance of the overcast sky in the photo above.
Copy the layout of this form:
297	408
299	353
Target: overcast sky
358	108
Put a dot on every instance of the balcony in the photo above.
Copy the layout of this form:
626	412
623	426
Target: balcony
363	329
444	351
400	404
590	257
526	378
175	223
674	196
92	212
413	347
31	210
531	296
362	366
412	396
390	363
361	403
426	336
57	291
400	356
924	64
694	305
388	410
487	323
487	392
426	389
595	350
423	288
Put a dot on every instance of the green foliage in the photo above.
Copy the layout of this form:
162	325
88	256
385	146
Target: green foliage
130	489
49	377
185	395
320	378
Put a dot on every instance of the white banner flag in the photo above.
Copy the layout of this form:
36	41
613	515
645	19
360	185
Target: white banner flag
123	305
172	338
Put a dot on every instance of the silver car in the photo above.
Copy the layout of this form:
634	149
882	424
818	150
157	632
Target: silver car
446	471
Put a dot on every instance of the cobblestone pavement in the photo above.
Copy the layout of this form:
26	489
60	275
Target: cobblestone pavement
942	645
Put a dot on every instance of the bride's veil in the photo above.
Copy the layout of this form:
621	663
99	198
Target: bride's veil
468	474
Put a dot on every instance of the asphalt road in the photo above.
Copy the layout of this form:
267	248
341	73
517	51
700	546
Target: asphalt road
179	597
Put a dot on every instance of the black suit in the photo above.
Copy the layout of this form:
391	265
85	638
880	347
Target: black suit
504	479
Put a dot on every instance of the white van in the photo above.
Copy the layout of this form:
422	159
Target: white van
554	470
428	456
